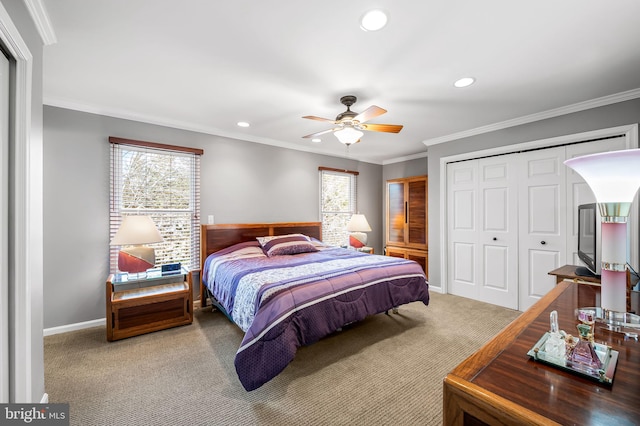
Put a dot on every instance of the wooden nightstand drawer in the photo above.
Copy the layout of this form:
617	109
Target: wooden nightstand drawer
146	308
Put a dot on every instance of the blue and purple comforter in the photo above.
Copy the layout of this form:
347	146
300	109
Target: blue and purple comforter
285	302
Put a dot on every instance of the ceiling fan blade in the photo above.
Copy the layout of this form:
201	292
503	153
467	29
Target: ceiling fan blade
390	128
313	135
369	113
313	117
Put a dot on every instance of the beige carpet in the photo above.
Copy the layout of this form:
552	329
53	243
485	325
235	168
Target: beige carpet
384	370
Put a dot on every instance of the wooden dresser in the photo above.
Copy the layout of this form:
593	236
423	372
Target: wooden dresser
500	384
406	220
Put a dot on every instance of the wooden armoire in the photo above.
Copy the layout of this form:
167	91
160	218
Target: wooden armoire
406	220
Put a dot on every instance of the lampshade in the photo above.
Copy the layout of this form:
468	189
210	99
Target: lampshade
348	135
614	177
136	230
358	223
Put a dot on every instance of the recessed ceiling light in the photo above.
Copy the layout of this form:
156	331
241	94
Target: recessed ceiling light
464	82
243	124
316	140
373	20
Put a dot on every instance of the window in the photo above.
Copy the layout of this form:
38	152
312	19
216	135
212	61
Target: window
161	181
337	203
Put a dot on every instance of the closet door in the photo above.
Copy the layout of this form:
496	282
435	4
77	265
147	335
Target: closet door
542	222
498	239
462	252
483	260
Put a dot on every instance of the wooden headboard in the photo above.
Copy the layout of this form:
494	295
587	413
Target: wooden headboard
217	237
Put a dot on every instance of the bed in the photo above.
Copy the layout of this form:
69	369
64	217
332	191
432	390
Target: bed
285	289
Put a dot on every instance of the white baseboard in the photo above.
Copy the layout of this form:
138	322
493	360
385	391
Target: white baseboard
73	327
45	398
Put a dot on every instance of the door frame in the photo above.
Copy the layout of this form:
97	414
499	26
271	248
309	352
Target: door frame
630	132
25	268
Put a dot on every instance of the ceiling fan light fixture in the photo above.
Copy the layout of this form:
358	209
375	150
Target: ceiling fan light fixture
316	140
373	20
348	135
464	82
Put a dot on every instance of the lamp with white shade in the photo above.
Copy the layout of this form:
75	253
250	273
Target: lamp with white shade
614	178
135	231
357	227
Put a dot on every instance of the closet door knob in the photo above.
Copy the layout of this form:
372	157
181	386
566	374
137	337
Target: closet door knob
495	239
543	242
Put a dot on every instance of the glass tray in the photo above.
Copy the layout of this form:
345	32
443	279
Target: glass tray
608	356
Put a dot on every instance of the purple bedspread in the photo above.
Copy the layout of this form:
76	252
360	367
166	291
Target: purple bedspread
321	292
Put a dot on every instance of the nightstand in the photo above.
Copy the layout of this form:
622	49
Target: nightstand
142	305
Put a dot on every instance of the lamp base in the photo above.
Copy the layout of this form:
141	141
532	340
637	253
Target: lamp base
357	239
136	259
626	323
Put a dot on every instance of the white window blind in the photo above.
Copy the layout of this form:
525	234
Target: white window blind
338	193
161	181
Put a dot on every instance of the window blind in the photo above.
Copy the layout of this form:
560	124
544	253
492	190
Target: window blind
161	181
338	202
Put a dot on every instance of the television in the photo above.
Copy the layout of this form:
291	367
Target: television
589	247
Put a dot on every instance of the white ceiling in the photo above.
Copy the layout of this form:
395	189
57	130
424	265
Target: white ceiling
205	65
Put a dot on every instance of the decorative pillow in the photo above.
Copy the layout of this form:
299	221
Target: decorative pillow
286	244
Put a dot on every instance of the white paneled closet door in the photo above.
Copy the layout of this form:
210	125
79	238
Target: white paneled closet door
542	222
483	259
463	232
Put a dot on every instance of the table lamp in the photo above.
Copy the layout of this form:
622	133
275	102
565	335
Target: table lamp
614	178
133	233
357	227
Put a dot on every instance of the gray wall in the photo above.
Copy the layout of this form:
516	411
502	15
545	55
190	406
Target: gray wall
622	113
241	182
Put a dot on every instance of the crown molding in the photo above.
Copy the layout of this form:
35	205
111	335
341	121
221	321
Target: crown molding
556	112
405	158
159	121
38	12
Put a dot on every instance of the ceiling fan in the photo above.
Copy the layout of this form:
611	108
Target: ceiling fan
350	123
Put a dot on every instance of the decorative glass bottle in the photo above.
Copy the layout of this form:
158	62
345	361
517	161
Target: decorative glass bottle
583	355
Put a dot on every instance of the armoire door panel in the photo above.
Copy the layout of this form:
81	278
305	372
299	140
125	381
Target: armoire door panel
396	212
417	212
